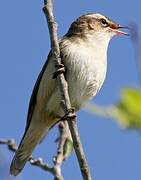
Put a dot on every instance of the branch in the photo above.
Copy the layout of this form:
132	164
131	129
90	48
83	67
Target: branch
70	115
60	157
58	160
12	146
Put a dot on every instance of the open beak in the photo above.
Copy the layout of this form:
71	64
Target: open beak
119	32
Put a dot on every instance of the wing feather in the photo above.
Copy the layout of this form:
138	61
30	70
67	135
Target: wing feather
33	99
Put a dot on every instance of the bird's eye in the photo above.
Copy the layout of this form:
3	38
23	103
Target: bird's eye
104	23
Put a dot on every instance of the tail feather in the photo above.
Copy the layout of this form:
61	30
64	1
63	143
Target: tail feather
31	138
18	163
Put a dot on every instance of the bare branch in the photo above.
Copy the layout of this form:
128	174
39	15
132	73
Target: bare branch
58	160
39	163
12	146
70	115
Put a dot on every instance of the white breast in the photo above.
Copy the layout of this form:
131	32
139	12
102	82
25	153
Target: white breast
86	71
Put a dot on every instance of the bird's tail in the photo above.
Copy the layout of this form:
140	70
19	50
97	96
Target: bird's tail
31	138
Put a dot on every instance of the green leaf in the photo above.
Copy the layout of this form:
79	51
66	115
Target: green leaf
129	108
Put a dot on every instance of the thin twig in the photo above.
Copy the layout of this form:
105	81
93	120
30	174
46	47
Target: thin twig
60	157
40	163
12	146
70	115
58	160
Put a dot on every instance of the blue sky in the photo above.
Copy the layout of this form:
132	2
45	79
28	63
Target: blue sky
112	153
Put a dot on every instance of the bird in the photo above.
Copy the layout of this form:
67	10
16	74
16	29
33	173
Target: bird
83	52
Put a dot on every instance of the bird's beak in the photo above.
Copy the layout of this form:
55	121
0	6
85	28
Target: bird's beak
116	29
119	32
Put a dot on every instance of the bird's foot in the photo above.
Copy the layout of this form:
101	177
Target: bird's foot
60	70
69	115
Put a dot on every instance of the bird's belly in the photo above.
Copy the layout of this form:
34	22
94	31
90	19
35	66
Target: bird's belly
84	81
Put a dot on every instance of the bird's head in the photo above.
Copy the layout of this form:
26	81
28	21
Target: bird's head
95	25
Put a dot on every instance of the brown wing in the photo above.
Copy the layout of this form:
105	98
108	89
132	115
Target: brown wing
33	98
44	79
